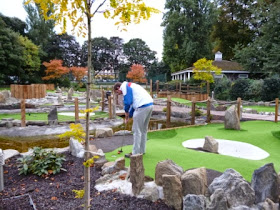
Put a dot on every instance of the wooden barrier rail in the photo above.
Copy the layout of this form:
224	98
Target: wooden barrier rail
28	91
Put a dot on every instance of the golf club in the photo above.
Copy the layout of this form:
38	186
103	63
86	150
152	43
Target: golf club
120	151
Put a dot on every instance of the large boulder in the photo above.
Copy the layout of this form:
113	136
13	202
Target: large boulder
237	190
137	173
194	182
172	190
167	167
265	182
231	119
210	144
197	202
103	132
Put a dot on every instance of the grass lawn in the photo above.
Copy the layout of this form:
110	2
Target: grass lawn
44	116
167	144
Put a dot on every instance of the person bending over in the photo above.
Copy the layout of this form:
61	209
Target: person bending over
137	104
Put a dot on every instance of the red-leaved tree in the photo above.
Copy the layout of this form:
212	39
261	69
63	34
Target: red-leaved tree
78	72
137	73
54	69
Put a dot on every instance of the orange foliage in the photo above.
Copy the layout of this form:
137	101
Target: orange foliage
78	72
54	69
137	73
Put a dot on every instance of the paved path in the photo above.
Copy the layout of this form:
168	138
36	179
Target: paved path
245	116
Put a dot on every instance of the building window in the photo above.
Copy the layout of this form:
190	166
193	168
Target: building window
219	76
243	76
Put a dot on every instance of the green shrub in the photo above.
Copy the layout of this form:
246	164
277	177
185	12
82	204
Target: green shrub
41	162
222	88
254	91
240	89
271	88
164	109
197	113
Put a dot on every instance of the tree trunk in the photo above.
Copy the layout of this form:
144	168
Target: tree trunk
87	169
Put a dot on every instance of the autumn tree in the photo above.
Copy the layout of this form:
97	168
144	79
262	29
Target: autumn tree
78	72
203	70
54	70
136	73
63	11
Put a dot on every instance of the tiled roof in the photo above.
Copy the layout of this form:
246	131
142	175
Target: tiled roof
228	65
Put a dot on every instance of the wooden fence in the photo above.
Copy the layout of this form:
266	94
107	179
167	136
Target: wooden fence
50	86
187	96
28	91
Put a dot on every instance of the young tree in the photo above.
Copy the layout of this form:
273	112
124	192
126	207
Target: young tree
203	70
54	70
78	72
127	11
137	73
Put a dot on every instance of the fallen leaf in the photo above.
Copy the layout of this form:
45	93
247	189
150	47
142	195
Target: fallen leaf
57	185
36	190
54	198
22	185
50	172
5	172
64	193
13	189
52	179
35	180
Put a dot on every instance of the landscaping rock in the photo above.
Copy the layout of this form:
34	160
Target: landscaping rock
265	182
52	117
172	190
118	165
76	148
197	202
150	192
137	173
167	167
210	144
237	190
194	182
218	201
103	132
231	119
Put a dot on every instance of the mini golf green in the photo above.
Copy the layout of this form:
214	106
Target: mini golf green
167	144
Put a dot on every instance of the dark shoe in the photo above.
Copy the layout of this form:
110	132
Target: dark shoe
128	155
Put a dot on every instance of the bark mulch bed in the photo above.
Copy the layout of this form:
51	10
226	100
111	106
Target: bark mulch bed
55	191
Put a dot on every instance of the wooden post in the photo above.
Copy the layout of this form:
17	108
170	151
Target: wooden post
168	111
110	107
238	107
77	110
193	111
2	163
151	87
22	106
102	100
276	109
208	88
208	110
180	87
157	82
114	98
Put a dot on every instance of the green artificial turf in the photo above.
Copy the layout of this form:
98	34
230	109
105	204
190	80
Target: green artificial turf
167	144
261	108
188	102
44	116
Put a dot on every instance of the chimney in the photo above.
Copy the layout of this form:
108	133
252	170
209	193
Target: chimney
218	56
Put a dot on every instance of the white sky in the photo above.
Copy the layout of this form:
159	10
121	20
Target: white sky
150	30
